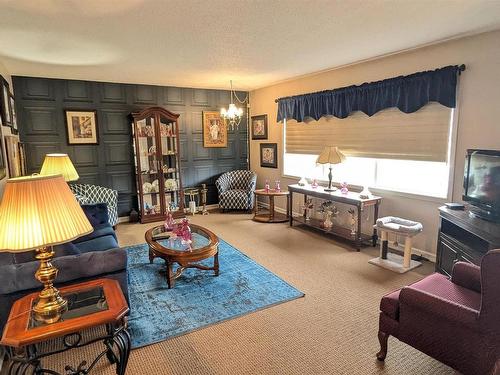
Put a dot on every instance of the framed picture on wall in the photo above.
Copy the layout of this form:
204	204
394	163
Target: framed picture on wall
3	169
81	127
13	157
259	127
214	130
269	155
13	114
22	159
5	110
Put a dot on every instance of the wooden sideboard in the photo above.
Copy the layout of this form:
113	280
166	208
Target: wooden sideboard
463	237
352	199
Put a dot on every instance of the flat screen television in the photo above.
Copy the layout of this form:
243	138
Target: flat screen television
482	183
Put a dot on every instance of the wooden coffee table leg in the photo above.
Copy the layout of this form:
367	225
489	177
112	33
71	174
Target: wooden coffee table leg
170	275
151	255
216	263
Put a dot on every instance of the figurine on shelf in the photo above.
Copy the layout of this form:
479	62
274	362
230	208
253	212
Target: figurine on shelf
302	182
308	207
330	210
314	184
266	186
344	189
353	221
365	193
277	186
150	210
169	221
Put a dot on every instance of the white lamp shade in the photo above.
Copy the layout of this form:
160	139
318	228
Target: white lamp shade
330	155
59	164
38	211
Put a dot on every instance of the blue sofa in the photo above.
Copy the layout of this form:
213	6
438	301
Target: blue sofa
92	256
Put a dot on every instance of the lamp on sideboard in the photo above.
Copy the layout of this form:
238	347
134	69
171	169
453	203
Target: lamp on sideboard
59	164
36	213
330	155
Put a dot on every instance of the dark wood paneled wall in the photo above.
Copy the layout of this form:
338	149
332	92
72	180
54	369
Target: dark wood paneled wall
40	104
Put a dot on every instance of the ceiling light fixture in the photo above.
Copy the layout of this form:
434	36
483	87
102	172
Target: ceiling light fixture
233	115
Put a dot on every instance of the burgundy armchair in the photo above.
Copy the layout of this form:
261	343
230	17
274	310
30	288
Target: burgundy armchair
455	321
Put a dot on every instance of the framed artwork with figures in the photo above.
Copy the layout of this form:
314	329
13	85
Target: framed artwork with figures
269	155
259	127
214	130
81	127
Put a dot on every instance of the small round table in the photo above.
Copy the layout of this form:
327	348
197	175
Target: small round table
205	245
271	216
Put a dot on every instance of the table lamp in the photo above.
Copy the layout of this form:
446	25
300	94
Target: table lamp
59	164
38	212
330	155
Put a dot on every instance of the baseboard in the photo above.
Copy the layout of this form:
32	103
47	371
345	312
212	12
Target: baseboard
126	219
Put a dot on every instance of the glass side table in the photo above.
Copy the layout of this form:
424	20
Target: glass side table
97	304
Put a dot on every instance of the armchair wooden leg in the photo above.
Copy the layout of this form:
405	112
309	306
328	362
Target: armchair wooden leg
382	338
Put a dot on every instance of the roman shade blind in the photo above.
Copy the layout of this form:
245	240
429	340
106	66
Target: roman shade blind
391	134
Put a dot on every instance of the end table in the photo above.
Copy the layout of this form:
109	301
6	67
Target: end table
90	304
272	216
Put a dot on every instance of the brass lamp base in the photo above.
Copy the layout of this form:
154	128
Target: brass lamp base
50	305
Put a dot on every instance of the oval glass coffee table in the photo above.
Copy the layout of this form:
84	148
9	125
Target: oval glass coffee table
205	245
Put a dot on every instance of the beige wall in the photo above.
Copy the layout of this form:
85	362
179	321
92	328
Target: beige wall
478	122
5	129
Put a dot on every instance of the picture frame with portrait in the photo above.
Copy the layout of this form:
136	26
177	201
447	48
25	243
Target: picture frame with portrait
81	127
259	127
214	130
5	109
269	155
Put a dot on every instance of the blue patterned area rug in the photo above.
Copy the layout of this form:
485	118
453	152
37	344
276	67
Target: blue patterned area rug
199	299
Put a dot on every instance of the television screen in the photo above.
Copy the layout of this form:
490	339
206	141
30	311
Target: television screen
483	178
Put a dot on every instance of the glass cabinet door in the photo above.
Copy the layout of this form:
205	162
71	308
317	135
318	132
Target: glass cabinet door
147	165
169	162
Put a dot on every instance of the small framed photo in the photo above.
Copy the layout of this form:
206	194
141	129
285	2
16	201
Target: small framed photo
81	127
259	127
269	155
5	110
214	130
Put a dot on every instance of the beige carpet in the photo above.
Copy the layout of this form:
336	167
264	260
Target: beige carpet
332	330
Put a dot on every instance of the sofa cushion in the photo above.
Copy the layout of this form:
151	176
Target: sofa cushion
97	244
6	258
389	304
99	231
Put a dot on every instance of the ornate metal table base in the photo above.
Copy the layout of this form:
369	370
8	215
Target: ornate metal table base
172	276
27	360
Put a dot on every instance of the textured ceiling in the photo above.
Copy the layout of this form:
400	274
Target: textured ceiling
200	43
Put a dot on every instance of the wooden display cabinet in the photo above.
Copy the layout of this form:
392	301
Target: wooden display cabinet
157	162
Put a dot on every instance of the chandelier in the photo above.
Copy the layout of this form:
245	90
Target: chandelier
233	115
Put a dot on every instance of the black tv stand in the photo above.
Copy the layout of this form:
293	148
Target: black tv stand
463	237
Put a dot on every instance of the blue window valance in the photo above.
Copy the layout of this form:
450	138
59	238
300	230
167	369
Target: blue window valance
408	93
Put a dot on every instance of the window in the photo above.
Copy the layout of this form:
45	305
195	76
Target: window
408	176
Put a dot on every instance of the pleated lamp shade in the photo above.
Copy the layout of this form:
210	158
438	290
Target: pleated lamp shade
38	211
59	164
330	155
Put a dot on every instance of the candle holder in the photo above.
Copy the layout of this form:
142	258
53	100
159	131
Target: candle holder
204	191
